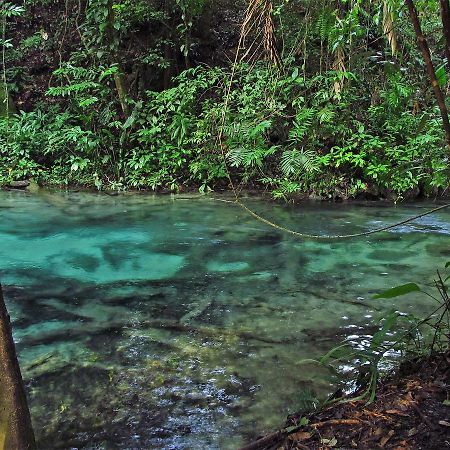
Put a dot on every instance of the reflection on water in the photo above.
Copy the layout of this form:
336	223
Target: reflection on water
157	322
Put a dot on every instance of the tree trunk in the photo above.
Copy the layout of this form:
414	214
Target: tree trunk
16	431
167	50
187	60
423	45
7	107
445	16
119	81
119	78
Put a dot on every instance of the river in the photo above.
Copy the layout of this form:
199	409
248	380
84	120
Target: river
181	323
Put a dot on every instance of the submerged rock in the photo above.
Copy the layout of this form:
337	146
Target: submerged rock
136	266
258	276
217	266
438	250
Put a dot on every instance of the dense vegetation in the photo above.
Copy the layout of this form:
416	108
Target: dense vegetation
299	97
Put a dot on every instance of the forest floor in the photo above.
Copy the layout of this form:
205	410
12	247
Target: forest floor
411	411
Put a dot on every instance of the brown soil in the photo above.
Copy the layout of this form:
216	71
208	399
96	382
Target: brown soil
411	411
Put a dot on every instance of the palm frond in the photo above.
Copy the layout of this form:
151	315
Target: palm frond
389	25
295	161
258	25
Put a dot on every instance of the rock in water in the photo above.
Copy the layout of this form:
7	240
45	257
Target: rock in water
22	184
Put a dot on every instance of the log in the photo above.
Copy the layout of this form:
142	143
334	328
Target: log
263	442
16	431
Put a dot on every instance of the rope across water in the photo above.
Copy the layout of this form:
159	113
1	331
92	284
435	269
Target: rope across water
330	236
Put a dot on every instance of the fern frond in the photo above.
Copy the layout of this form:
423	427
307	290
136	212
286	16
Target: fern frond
250	156
326	115
294	161
325	23
302	123
260	128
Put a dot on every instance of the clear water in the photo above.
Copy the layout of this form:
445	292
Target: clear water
171	323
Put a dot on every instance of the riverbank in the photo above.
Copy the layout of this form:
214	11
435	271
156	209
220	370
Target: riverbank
411	411
193	192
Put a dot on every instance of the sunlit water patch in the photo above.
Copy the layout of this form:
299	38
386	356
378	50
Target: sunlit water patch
170	323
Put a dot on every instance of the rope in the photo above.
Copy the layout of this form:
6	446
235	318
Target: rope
330	236
257	216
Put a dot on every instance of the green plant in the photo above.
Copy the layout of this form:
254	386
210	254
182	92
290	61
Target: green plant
399	334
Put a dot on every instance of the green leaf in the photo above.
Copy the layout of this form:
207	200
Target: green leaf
303	421
381	334
129	122
447	265
398	291
441	75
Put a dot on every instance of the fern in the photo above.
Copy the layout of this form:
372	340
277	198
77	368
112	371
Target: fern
302	124
399	91
74	88
260	128
325	23
285	188
326	115
294	161
249	156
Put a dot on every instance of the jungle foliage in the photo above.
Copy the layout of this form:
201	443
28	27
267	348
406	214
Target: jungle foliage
328	98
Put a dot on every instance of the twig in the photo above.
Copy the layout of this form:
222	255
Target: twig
423	417
334	422
264	441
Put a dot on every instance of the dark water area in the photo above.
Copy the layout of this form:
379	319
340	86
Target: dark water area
146	322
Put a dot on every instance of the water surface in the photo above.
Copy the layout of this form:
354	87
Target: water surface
171	323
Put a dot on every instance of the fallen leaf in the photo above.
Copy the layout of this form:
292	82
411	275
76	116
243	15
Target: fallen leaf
412	432
300	436
378	432
375	414
444	423
386	438
330	442
412	384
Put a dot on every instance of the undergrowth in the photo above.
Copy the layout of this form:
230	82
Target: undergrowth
283	133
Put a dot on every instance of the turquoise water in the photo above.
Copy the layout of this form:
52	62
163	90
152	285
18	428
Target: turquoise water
179	323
